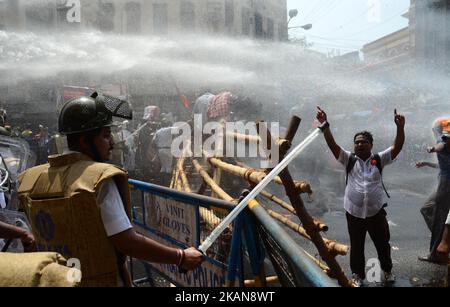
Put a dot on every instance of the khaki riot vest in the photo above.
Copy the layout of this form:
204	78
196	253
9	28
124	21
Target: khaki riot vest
60	201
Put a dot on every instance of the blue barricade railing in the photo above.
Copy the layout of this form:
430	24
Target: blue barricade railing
172	217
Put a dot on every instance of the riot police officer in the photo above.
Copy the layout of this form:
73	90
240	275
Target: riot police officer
80	206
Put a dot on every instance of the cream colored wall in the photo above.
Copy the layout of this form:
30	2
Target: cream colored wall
274	9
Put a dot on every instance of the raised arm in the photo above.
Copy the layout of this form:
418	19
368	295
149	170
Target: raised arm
335	148
400	137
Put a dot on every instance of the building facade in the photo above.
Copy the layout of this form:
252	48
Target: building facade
264	19
432	28
426	39
255	19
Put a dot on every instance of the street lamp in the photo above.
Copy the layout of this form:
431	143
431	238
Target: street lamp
305	27
292	14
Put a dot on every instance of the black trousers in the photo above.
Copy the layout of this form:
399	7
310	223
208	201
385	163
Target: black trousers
440	214
378	229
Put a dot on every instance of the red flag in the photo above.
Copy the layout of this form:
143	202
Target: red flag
183	98
185	101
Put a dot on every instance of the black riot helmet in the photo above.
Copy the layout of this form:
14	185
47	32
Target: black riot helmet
90	113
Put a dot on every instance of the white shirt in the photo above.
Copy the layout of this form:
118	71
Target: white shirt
447	222
163	138
114	217
364	191
201	105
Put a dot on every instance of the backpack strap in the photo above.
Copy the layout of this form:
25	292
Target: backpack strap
377	158
350	165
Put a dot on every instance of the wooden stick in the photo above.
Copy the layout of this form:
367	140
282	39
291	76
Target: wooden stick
270	280
333	246
217	189
254	176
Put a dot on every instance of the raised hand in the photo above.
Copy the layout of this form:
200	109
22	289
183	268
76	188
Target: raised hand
399	119
321	115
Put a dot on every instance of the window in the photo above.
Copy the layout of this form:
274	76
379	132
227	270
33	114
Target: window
229	14
160	18
39	15
2	17
133	13
106	17
259	33
246	21
270	28
187	15
215	16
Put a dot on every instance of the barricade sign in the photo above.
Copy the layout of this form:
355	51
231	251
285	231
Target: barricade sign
172	218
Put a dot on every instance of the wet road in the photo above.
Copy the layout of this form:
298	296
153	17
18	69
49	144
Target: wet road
409	188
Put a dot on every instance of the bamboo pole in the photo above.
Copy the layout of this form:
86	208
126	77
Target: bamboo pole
239	137
333	246
270	280
205	214
278	201
185	182
321	226
217	175
174	176
217	189
319	263
243	137
254	176
178	184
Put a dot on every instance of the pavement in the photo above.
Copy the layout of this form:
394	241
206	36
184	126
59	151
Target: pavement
409	188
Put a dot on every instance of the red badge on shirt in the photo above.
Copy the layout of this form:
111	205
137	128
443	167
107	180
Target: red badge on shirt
373	162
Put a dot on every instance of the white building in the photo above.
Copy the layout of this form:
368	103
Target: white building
264	19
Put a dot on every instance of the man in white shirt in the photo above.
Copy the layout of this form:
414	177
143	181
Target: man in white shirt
161	143
363	200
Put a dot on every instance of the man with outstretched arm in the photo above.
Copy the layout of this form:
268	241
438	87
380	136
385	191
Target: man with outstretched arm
439	226
363	201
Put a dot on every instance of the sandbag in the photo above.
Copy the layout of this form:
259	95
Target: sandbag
35	270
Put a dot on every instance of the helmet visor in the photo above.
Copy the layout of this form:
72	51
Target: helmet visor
116	107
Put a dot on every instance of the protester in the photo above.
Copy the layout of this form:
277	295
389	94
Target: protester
442	149
363	200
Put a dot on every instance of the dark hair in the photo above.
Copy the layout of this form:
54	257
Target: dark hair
365	134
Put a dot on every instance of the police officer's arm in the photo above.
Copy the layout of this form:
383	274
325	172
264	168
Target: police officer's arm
8	231
138	246
334	147
400	137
